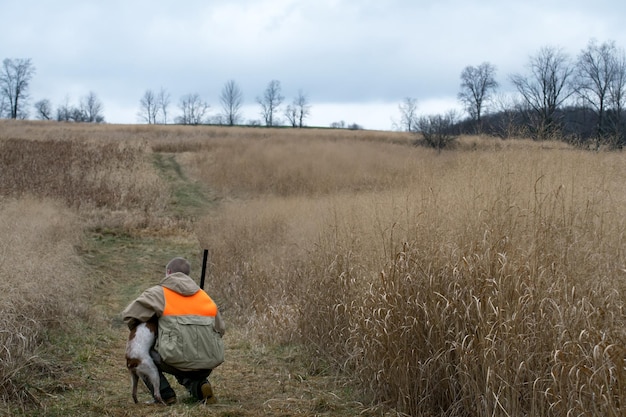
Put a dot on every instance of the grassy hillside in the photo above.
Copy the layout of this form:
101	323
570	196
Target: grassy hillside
485	280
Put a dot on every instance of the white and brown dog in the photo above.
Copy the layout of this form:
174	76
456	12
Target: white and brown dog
138	360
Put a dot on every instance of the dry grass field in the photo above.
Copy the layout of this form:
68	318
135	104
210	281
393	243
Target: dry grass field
359	274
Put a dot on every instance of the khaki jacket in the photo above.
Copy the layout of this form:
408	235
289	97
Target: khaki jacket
176	331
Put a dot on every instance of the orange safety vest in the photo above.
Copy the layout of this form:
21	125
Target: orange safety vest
198	304
187	338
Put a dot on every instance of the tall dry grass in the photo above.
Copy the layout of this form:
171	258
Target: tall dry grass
505	299
107	176
483	283
55	181
304	167
42	287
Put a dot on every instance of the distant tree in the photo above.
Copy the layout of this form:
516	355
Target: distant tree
43	109
77	115
64	111
408	114
303	107
338	125
232	100
597	76
506	122
68	113
438	130
617	97
148	108
15	77
291	113
163	103
546	88
270	101
298	110
91	108
478	84
194	110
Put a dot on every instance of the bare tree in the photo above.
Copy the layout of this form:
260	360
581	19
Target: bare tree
270	102
597	81
163	104
546	88
508	124
68	113
438	130
148	107
291	113
303	107
91	107
478	84
617	96
232	100
64	111
89	110
15	77
408	114
77	115
194	110
43	109
298	110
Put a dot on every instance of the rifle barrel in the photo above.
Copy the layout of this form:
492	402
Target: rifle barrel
204	261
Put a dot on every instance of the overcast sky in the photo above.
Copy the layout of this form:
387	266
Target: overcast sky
354	59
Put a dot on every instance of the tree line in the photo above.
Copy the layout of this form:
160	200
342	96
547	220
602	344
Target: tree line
580	100
16	75
154	107
15	78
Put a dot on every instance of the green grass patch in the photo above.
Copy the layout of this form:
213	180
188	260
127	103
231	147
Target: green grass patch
188	199
123	265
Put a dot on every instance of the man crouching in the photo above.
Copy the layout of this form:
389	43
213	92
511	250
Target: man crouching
190	328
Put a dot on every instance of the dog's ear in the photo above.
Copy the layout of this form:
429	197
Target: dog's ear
132	323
